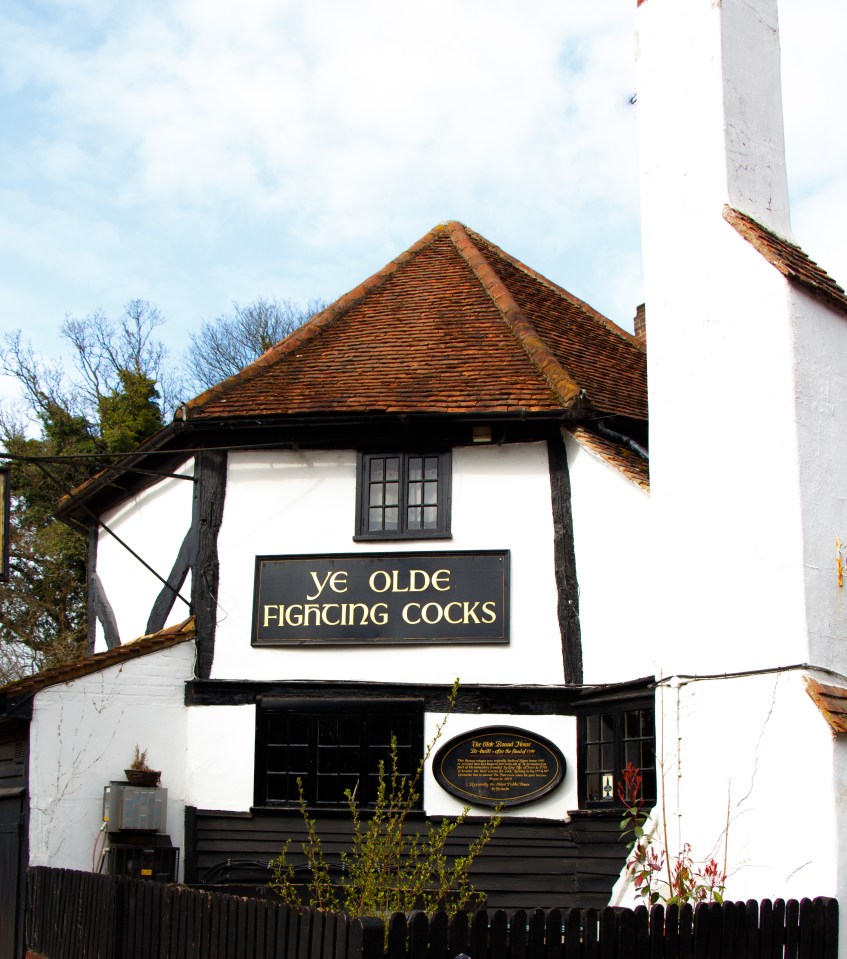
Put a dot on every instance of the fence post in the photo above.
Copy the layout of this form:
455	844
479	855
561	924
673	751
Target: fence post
367	938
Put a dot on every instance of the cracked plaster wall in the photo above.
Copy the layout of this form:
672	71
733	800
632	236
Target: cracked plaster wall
82	736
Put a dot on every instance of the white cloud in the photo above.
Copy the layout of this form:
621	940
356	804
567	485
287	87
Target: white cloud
193	152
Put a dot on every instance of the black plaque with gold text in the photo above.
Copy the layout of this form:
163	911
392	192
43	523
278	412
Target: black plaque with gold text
386	598
499	765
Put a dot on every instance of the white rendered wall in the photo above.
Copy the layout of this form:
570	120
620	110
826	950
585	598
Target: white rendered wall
710	115
285	502
220	757
153	523
611	543
560	730
724	460
820	347
82	736
754	749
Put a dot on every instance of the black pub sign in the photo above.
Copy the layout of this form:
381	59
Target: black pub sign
390	598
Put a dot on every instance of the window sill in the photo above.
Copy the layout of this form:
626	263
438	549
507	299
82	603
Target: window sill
398	537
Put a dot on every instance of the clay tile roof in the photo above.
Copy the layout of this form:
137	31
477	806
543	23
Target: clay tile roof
617	455
453	325
831	701
164	639
789	259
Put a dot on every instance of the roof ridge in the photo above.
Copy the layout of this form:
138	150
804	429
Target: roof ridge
790	259
562	291
521	327
315	325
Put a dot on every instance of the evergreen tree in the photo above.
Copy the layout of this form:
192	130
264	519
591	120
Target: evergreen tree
108	406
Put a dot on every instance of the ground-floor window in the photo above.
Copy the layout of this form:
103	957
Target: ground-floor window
609	739
332	748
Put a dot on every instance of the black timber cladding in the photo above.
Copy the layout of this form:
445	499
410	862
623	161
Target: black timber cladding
530	863
517	700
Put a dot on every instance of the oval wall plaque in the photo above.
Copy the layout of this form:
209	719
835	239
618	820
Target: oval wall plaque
499	765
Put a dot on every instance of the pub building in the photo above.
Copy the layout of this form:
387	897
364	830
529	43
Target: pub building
390	499
444	474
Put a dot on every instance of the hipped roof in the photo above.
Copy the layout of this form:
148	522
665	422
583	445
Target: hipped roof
453	325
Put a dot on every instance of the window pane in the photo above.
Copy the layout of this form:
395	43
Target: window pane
377	469
327	732
392	469
298	759
375	518
415	468
298	731
592	791
415	493
431	494
392	518
430	517
431	468
377	493
392	494
413	517
327	757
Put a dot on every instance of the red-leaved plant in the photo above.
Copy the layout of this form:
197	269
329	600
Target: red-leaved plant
658	877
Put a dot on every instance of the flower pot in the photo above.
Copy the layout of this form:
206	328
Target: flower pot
143	777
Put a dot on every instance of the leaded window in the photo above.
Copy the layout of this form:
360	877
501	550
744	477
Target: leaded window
611	738
403	496
333	748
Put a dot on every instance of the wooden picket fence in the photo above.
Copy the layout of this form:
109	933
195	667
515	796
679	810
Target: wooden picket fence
74	915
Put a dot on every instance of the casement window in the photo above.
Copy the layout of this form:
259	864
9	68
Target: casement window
332	748
609	739
403	496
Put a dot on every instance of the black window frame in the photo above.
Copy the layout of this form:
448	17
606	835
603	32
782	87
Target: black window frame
276	788
624	745
403	532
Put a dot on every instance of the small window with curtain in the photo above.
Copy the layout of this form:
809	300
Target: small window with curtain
403	496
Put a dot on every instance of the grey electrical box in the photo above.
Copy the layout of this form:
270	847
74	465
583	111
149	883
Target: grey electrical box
139	808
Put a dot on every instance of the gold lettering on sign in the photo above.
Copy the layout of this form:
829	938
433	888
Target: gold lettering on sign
337	582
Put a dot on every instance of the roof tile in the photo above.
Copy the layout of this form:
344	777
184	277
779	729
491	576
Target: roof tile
831	701
452	325
789	259
165	638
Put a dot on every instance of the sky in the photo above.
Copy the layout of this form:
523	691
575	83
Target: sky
194	153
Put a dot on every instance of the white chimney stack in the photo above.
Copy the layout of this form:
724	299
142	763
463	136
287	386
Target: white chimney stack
747	371
747	376
712	69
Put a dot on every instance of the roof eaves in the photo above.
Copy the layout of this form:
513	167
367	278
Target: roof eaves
309	330
568	392
831	701
153	642
791	260
620	458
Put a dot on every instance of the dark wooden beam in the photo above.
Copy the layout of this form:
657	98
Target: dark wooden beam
565	560
210	478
